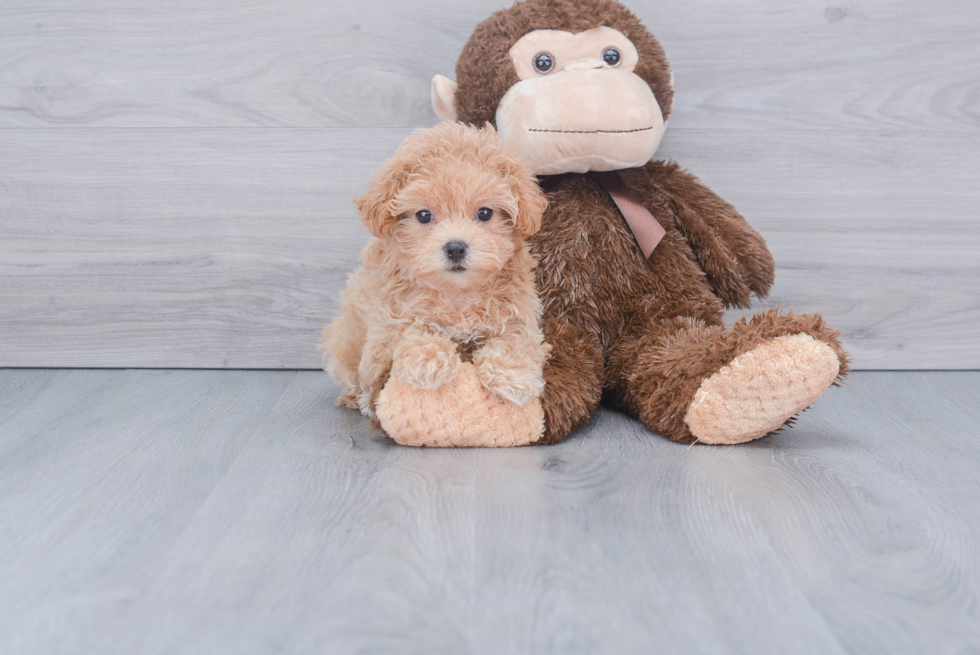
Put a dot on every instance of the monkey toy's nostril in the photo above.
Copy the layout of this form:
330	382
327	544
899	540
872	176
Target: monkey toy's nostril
456	250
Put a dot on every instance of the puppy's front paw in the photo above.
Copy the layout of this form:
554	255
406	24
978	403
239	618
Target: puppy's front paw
509	375
425	362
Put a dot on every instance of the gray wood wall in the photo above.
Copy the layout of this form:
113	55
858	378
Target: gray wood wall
176	177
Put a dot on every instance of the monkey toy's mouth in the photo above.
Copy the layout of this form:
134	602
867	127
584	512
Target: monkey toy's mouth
580	121
633	131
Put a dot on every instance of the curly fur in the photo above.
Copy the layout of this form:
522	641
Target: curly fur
406	312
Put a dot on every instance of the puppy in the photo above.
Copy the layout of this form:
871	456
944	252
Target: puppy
447	276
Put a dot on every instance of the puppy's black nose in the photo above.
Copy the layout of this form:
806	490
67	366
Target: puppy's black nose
456	250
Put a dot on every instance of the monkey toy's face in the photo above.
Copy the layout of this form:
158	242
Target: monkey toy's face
569	101
579	106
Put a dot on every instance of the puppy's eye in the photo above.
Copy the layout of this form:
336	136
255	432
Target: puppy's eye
611	56
423	216
484	213
543	62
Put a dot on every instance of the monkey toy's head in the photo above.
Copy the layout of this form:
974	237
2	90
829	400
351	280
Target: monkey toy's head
573	85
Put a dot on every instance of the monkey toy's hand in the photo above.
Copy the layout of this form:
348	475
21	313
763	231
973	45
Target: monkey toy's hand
425	361
733	255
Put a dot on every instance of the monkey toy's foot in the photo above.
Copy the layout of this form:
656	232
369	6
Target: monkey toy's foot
460	413
759	390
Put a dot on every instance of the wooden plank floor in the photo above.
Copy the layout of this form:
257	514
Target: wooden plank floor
240	512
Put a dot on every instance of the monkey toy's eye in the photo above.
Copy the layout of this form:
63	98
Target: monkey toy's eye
423	216
484	214
611	57
543	62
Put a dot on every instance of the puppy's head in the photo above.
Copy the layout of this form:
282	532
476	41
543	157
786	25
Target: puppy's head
454	204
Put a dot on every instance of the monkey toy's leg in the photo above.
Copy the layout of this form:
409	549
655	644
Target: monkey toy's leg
573	379
463	413
692	381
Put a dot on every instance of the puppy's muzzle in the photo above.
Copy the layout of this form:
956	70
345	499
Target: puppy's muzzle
456	251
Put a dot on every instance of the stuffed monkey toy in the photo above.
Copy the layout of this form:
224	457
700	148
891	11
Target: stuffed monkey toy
637	259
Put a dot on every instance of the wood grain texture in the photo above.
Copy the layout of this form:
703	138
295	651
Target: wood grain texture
176	178
210	511
228	248
882	64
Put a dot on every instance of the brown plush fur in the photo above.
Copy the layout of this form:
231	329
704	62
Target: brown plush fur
645	333
410	311
573	379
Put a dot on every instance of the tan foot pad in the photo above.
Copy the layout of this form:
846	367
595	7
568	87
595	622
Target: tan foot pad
461	413
760	389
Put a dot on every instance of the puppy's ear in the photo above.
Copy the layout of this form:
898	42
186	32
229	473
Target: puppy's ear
531	202
376	204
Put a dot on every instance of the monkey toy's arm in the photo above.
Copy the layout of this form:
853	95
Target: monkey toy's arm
732	254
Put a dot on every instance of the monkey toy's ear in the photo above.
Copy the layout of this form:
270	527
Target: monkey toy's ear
444	97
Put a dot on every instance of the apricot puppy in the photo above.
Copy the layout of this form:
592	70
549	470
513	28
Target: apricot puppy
447	276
